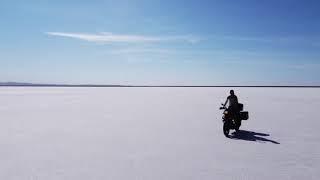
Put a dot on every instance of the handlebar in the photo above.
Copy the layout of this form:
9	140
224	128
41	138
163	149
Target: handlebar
222	107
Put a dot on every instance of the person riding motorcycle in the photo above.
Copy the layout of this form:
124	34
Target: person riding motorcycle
233	104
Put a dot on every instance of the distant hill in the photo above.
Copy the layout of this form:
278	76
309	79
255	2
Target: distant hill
14	84
55	85
102	85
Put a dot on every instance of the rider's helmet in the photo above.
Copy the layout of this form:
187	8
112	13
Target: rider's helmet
231	92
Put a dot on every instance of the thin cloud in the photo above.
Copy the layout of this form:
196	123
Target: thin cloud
263	39
244	38
142	50
107	37
305	66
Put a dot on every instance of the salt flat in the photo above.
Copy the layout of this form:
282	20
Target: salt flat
156	134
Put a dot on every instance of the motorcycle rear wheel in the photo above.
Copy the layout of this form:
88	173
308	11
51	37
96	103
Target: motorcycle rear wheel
237	125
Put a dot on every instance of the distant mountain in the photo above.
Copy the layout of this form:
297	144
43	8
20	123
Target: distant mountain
104	85
55	85
14	84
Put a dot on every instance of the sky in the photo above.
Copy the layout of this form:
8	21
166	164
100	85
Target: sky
160	42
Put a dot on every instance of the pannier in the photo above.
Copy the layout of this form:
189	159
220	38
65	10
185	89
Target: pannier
244	115
240	107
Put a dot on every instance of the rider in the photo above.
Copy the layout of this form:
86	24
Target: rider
233	103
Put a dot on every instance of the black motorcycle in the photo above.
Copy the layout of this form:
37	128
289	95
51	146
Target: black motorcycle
232	119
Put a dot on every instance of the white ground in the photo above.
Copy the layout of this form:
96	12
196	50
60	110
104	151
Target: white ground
156	134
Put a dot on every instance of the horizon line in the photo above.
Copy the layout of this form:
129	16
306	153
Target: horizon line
15	84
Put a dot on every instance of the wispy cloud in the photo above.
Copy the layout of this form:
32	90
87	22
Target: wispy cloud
108	37
270	39
143	51
305	66
244	38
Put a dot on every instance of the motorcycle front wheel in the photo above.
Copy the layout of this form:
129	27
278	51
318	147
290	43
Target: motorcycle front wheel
226	129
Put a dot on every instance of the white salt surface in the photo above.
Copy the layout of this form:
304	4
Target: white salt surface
156	134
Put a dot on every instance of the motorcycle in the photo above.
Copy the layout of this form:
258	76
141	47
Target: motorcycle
232	120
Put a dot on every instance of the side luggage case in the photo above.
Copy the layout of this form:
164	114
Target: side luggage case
244	115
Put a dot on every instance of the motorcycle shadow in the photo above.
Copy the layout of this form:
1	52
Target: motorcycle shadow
251	136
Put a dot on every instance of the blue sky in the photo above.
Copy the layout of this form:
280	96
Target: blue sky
145	42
